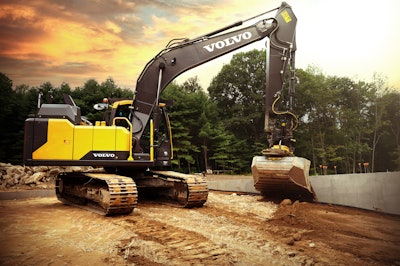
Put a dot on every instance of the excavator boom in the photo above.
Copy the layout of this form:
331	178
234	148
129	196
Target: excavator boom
184	55
280	31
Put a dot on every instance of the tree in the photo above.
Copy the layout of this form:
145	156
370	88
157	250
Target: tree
317	99
238	92
393	116
377	109
345	123
192	85
388	149
184	113
332	114
92	92
8	109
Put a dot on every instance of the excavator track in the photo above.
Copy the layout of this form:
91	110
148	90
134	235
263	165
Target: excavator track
176	189
106	194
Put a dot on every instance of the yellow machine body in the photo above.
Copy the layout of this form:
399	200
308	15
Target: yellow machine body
66	141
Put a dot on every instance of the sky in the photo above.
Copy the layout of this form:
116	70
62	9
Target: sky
74	41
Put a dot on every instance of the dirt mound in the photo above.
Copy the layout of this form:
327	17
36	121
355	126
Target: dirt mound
372	236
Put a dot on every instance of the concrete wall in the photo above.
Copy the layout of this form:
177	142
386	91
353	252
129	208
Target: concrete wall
234	185
375	191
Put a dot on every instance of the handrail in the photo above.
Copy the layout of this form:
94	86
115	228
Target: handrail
130	158
151	140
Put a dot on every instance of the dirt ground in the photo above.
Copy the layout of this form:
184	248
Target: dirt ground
231	229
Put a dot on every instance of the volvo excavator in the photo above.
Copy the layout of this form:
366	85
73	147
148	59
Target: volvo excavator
134	142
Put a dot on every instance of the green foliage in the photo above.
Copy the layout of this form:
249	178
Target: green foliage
9	124
238	92
92	92
189	102
343	123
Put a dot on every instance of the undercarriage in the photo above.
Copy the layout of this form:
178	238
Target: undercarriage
112	194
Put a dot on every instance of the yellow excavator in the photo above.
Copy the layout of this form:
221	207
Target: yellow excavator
134	142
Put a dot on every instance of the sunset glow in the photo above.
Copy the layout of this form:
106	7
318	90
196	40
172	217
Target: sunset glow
73	41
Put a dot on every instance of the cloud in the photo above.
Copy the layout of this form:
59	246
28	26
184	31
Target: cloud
43	38
61	41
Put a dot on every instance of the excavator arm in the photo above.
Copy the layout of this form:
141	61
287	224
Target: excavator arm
277	170
180	56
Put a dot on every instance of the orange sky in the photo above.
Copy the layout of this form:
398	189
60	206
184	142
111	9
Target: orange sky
73	41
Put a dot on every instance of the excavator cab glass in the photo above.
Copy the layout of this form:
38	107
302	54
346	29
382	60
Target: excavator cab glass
161	134
123	111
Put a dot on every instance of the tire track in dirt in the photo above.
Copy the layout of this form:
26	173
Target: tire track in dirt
238	229
229	230
247	232
156	243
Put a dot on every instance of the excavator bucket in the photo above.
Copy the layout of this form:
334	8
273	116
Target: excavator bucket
282	177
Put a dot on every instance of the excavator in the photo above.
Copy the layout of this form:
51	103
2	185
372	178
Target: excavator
133	144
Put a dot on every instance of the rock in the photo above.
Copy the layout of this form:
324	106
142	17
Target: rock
297	237
286	202
289	241
23	178
308	262
35	178
291	254
14	175
40	169
15	170
28	170
311	245
78	168
15	178
9	181
69	169
52	173
276	251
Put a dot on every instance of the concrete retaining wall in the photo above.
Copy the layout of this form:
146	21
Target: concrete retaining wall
234	185
375	191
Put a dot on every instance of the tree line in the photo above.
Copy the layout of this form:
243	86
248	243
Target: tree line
345	126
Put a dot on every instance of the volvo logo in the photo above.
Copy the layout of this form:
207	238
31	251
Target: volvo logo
104	155
228	41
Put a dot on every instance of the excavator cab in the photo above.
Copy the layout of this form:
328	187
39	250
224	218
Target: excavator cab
156	139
